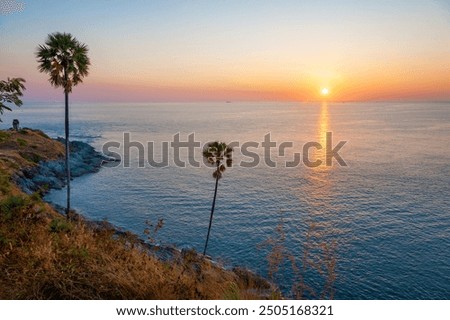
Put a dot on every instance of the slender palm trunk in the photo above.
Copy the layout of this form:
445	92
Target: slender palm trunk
212	211
67	153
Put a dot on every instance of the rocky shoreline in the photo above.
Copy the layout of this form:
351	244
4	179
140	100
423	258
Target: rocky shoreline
84	159
51	174
78	258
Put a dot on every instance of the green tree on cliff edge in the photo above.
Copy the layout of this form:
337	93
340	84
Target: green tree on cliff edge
66	61
10	92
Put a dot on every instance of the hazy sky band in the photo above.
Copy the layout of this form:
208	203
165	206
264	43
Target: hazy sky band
239	50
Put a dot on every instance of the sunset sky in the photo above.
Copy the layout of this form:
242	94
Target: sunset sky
238	50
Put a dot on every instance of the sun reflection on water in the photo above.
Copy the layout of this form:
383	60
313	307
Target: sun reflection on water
323	127
318	259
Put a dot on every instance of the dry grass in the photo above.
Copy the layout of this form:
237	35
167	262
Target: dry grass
317	256
45	256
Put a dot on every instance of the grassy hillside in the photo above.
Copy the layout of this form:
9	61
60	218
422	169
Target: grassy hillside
45	256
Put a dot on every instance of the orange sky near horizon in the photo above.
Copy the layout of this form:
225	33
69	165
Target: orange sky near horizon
172	51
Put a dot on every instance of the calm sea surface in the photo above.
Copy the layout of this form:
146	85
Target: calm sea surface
378	228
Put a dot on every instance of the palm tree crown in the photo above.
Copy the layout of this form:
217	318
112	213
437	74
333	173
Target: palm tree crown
65	59
218	153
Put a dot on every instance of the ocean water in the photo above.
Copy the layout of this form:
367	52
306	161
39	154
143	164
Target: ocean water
377	228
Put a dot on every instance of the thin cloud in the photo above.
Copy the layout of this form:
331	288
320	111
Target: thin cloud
10	7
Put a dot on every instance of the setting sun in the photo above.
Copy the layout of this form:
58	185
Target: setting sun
324	91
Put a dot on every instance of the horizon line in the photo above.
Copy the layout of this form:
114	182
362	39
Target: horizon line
247	101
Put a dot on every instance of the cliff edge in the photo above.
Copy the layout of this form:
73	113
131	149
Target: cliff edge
43	255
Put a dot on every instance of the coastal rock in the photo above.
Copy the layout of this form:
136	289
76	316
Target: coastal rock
51	174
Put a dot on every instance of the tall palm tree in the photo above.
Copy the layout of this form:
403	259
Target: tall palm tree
65	59
218	154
